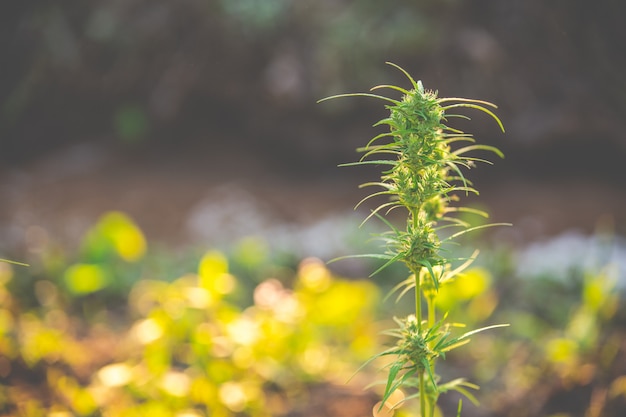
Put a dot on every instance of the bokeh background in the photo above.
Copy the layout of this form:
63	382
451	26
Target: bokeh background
153	107
199	120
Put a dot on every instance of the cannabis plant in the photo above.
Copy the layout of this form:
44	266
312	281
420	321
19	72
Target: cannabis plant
424	159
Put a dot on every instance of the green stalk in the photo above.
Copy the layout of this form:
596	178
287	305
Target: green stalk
418	316
422	386
431	322
418	300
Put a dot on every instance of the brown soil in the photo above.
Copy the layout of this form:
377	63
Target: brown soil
199	197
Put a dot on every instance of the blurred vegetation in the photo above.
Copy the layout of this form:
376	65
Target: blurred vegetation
118	328
186	71
119	66
103	334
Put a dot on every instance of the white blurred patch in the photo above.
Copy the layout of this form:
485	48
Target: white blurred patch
571	251
231	214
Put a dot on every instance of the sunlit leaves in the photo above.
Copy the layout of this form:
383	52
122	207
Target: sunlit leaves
213	274
217	355
115	233
83	279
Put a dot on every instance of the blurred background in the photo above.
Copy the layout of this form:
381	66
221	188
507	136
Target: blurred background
160	108
198	119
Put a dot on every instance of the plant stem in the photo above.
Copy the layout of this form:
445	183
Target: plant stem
418	316
418	299
431	322
422	386
414	213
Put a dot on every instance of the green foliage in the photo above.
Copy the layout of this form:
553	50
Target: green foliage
245	333
423	176
576	357
186	346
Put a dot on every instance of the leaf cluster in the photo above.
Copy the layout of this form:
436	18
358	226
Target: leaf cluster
416	349
424	173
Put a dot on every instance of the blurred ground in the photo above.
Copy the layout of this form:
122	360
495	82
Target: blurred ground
199	196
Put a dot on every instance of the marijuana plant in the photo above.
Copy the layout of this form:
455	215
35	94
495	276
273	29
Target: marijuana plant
425	158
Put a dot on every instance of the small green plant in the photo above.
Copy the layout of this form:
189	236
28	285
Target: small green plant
425	177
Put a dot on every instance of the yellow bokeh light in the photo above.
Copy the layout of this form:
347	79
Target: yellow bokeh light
232	395
198	297
224	284
6	272
315	359
60	414
6	321
147	331
243	357
85	278
176	384
314	275
384	411
236	396
213	274
561	350
243	331
268	293
618	387
466	286
221	346
212	264
115	375
126	237
395	399
189	413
